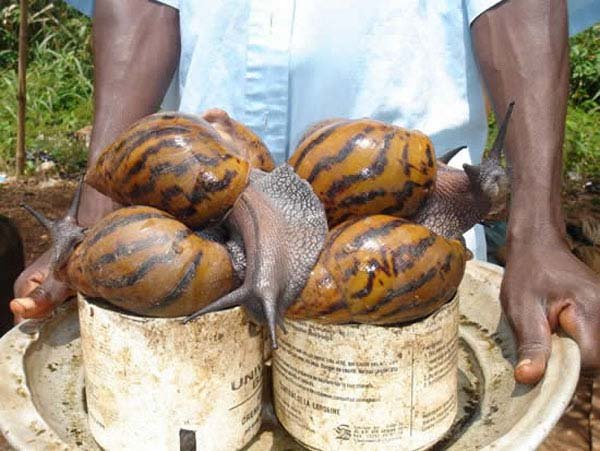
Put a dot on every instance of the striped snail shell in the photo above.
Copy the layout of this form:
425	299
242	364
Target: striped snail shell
363	167
380	270
144	261
175	162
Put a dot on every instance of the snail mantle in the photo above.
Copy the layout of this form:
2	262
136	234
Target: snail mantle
43	408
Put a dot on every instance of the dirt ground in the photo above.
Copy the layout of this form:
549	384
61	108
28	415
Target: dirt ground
51	197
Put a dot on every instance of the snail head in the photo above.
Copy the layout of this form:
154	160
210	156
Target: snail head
490	177
66	234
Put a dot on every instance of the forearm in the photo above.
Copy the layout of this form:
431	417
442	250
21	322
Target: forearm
136	51
522	48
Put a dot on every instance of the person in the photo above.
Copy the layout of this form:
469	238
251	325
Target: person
280	65
11	265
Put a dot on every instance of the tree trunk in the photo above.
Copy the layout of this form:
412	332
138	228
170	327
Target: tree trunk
22	94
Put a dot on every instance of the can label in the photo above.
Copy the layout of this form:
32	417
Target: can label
356	387
155	381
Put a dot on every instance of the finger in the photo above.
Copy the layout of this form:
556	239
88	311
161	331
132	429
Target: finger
582	327
41	301
24	287
216	115
531	328
38	304
33	276
29	307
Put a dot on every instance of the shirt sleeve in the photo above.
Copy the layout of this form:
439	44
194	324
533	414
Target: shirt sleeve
87	6
172	3
582	13
476	7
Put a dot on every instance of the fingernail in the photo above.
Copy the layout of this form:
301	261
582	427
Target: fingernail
524	362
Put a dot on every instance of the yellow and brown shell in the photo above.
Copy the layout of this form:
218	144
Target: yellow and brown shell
380	270
175	162
144	261
363	167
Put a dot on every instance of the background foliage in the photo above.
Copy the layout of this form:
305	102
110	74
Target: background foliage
582	142
60	90
59	84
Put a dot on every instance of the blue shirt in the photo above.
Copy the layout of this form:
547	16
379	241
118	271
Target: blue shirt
280	65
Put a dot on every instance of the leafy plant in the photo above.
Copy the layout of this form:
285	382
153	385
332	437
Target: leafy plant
585	69
59	86
582	143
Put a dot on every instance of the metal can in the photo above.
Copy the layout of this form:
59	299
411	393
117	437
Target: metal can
365	387
155	383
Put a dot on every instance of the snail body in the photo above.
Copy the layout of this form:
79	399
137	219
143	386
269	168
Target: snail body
197	170
380	270
364	167
463	198
145	261
377	269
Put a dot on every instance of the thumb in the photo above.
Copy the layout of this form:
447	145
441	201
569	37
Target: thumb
531	328
41	301
580	326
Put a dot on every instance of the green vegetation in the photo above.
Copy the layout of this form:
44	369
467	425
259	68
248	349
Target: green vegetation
582	141
59	90
582	133
59	86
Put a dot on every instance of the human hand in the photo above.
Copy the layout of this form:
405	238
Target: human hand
37	291
545	287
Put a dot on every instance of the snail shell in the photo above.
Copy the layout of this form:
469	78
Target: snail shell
243	141
363	167
174	162
144	261
380	270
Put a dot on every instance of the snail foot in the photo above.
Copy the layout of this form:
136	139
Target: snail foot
282	225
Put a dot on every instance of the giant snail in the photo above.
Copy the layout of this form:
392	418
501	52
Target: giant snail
370	267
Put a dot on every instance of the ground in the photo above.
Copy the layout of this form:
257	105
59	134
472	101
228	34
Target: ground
51	196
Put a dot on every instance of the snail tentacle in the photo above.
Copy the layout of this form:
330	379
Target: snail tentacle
66	233
462	199
498	146
232	299
450	154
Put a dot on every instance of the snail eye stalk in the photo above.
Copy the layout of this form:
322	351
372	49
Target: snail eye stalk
450	154
65	233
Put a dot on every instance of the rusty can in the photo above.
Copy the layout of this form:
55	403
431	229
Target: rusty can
158	383
365	387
